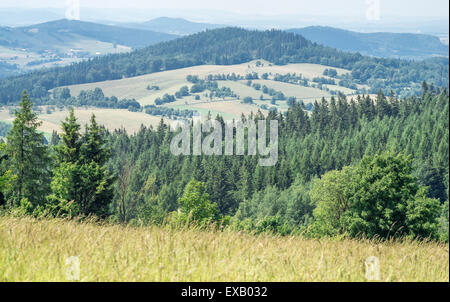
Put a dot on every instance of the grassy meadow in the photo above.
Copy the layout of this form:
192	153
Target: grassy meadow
171	81
110	118
36	250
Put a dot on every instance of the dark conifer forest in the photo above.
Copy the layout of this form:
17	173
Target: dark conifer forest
387	157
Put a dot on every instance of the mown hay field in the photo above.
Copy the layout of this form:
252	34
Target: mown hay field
110	118
171	81
37	250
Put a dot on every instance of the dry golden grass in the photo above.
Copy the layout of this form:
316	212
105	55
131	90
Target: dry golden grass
36	250
300	92
241	89
171	81
232	108
110	118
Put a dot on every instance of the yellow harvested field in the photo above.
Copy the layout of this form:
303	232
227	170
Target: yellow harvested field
241	89
344	90
300	92
136	87
169	82
110	118
306	70
172	80
234	108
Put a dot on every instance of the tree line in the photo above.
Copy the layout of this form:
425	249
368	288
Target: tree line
95	98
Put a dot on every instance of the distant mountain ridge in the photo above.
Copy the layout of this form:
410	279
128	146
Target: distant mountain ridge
175	26
381	44
62	42
60	32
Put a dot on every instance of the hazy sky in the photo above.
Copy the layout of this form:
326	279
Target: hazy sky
354	8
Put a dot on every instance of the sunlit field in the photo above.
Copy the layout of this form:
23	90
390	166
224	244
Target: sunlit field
172	80
37	250
110	118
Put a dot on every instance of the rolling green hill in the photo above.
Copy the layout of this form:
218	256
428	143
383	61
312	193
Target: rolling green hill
381	44
228	105
172	80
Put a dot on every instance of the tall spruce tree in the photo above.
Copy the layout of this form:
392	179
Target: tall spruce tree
81	180
69	150
94	144
98	191
28	156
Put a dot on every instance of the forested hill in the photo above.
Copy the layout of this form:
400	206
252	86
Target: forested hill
381	44
230	46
